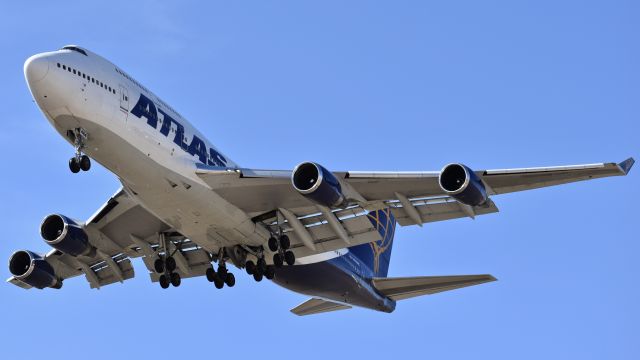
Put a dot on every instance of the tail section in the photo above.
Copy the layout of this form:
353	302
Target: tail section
377	255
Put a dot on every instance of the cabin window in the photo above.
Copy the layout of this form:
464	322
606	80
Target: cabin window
58	64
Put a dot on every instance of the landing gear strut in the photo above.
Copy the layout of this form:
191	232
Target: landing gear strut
79	161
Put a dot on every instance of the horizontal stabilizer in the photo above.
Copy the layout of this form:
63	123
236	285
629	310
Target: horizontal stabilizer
317	306
408	287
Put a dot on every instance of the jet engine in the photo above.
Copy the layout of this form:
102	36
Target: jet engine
461	183
65	235
318	184
32	269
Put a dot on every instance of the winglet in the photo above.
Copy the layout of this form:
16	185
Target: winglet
626	165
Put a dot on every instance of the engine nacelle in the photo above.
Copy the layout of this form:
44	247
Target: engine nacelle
461	183
32	269
65	235
318	184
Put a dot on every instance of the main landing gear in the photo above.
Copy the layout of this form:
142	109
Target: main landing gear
222	276
280	246
166	266
79	161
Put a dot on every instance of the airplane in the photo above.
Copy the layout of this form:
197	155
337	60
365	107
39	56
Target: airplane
184	207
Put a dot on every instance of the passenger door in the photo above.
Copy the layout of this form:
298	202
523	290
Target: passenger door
124	101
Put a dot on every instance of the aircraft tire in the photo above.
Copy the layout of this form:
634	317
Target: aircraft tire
273	244
158	266
250	267
175	279
230	280
289	258
164	281
85	163
219	284
257	276
74	166
278	261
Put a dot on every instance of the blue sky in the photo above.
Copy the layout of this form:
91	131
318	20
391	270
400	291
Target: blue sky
354	85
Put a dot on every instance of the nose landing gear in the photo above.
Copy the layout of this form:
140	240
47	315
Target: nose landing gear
80	161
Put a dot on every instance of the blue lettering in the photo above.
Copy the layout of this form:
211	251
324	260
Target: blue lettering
166	127
216	159
197	147
147	109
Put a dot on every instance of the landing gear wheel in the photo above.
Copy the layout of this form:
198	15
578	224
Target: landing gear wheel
262	265
218	283
250	266
175	279
211	275
85	163
222	273
158	266
270	273
273	244
278	261
230	280
171	263
257	276
74	166
285	243
164	281
290	258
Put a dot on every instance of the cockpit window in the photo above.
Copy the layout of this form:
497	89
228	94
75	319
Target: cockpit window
75	48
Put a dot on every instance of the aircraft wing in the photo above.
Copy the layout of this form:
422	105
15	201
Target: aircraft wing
120	230
413	198
260	191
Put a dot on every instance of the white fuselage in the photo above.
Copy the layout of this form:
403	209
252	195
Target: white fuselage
143	146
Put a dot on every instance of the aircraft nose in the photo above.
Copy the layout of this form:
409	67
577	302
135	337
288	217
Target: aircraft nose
36	68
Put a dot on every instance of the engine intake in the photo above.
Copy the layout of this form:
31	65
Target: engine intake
65	235
318	184
32	269
461	183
